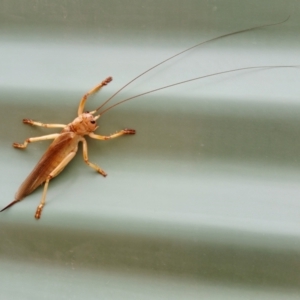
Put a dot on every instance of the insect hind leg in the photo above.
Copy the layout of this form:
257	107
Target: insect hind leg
54	173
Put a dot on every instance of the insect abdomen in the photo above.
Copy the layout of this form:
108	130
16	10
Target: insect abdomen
60	147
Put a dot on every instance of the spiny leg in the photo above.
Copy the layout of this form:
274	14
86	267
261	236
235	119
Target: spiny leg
112	136
92	91
31	122
86	159
35	139
55	172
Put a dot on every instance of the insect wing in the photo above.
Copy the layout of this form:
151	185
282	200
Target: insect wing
59	148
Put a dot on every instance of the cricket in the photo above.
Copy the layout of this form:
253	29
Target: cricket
65	144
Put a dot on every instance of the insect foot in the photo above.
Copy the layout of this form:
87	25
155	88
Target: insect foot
107	80
27	121
39	211
129	131
19	146
102	173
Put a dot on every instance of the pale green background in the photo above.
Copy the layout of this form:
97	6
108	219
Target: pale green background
203	202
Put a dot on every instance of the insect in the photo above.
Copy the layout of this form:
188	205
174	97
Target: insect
65	145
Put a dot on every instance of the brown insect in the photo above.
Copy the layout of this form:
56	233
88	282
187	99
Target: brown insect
63	149
65	144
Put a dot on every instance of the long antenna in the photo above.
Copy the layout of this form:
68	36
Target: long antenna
186	50
193	79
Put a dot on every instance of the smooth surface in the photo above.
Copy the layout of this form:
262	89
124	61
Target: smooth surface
203	201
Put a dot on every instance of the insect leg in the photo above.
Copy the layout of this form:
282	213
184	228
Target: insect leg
55	172
104	138
35	139
86	159
92	91
112	136
31	122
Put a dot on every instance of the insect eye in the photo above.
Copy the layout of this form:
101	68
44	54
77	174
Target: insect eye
93	122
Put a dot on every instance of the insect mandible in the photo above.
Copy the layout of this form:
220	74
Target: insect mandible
65	145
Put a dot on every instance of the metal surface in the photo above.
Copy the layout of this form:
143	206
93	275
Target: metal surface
203	201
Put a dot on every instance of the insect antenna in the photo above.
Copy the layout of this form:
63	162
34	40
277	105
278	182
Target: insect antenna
193	79
186	50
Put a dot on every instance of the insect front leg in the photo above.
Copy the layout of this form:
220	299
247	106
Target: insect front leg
55	172
92	91
31	122
35	139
